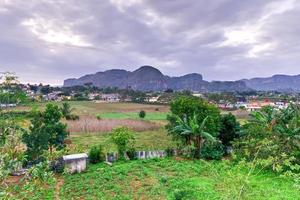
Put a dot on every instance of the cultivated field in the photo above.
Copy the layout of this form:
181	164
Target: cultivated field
90	130
169	178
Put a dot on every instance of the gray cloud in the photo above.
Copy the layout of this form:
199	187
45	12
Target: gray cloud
48	41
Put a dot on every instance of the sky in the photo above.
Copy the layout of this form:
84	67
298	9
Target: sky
47	41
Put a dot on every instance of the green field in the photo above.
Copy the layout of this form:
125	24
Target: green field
146	140
134	115
92	108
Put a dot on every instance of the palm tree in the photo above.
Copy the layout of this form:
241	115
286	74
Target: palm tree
192	131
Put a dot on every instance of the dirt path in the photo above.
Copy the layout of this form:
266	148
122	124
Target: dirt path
59	184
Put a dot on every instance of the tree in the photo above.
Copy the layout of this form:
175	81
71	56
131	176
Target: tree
185	107
46	132
230	129
54	127
36	139
193	122
10	90
142	114
192	132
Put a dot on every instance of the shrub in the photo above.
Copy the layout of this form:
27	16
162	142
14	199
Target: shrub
142	114
131	153
123	138
212	151
170	152
96	154
229	130
98	117
40	172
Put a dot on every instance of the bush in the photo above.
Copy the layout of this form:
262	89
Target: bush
131	153
212	151
98	117
230	129
96	154
142	114
123	138
57	165
170	152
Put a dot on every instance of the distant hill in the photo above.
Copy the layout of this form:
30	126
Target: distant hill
274	83
148	78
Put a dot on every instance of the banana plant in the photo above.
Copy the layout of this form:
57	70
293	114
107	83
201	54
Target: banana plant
192	131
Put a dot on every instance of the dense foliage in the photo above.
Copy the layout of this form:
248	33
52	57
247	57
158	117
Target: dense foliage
96	154
123	138
10	90
194	122
142	114
271	139
230	129
45	133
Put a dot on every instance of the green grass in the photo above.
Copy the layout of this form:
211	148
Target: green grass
171	179
134	115
92	108
153	140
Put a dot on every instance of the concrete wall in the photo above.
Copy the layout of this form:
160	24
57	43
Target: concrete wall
76	165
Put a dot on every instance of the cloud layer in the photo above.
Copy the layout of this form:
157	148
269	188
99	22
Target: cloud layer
48	41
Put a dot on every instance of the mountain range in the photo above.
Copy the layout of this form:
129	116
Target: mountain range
148	78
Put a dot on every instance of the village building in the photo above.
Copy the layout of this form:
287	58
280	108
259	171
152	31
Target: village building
110	98
153	99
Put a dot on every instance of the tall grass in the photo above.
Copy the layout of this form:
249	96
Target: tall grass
88	124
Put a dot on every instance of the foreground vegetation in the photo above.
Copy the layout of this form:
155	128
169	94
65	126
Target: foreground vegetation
168	178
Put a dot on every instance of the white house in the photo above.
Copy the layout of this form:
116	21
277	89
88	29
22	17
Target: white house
110	97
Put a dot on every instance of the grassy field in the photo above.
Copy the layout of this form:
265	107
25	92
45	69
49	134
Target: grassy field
145	140
174	179
92	108
134	115
89	130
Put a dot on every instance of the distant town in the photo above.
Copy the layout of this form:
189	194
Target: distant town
249	101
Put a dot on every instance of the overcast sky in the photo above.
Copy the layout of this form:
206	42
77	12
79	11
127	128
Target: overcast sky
50	40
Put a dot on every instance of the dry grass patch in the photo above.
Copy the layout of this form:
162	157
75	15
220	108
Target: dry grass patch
88	124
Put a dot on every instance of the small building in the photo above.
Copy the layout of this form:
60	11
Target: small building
110	97
197	95
153	99
75	163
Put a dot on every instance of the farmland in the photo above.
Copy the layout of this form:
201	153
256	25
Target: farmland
90	130
165	179
160	178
